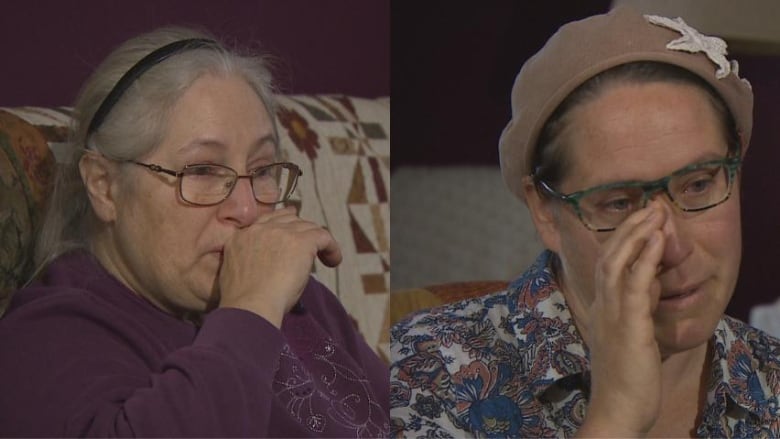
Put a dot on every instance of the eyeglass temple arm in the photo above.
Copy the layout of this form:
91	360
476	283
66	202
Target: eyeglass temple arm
157	168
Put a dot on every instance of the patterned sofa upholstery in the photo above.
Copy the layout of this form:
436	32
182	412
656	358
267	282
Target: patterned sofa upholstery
341	143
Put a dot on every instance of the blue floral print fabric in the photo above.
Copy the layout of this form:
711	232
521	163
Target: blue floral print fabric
512	364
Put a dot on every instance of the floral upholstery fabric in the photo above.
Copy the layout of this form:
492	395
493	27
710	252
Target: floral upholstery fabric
26	169
341	143
512	364
343	147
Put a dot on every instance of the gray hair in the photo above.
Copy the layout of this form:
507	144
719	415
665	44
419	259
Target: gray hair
135	125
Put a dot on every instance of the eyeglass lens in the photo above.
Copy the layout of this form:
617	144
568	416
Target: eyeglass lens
693	190
210	184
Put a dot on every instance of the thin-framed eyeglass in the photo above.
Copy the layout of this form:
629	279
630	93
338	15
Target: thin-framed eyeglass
211	184
625	198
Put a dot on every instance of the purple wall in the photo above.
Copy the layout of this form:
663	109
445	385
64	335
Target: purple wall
338	46
453	68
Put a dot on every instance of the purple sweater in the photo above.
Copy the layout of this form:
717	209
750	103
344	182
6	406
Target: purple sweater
82	355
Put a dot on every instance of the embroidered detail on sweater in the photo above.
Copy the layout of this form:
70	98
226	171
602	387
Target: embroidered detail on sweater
327	391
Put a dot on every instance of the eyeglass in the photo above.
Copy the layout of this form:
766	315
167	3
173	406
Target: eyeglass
208	184
693	188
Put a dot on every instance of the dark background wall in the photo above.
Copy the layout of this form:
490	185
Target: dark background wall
49	47
453	68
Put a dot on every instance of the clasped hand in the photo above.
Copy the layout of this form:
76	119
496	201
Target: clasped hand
266	266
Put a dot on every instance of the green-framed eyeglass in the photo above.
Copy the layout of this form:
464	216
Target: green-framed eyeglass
694	188
210	184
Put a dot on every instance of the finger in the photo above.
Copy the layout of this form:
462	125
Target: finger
640	288
328	249
629	238
644	272
274	214
295	224
622	250
620	255
646	257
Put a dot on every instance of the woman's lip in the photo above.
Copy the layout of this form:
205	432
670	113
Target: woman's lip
682	292
678	295
684	301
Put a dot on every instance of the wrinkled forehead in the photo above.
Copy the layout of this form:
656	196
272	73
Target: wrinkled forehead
640	132
220	114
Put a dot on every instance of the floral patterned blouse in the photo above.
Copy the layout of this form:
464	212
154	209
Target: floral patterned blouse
512	364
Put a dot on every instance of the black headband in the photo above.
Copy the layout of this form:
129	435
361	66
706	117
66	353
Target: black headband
138	69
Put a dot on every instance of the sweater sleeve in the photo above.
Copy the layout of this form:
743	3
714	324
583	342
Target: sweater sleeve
81	373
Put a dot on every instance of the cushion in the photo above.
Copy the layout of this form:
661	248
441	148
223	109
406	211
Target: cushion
457	223
343	147
26	170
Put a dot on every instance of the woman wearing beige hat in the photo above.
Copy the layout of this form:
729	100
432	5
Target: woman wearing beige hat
626	143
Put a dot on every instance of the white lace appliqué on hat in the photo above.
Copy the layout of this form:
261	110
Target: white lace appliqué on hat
693	41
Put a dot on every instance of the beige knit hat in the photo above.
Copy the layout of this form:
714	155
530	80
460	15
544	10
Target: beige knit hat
585	48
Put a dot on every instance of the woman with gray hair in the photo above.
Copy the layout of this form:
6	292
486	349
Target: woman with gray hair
175	296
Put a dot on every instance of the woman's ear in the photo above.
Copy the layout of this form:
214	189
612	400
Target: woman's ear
542	214
99	176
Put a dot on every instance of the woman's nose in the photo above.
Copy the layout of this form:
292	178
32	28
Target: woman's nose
241	207
679	241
